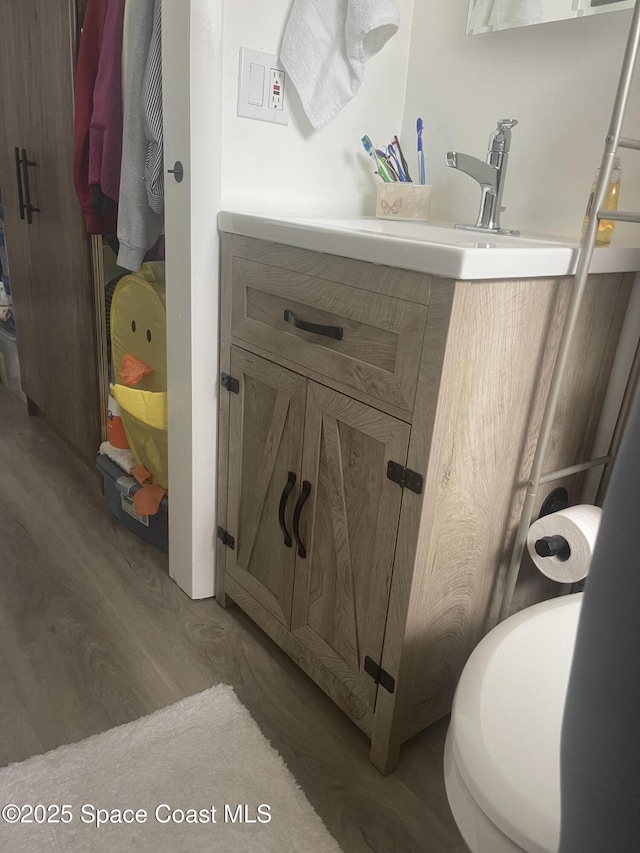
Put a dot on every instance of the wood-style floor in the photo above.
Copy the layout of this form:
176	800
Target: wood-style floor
94	633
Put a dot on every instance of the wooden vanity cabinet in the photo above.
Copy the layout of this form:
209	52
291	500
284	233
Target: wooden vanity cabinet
319	518
376	429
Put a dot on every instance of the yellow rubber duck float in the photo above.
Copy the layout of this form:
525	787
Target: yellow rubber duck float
139	352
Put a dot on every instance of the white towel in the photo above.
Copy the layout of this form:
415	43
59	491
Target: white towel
501	14
325	46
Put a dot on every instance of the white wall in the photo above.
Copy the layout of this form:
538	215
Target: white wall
294	168
557	79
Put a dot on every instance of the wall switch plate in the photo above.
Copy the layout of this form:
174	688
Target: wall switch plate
262	87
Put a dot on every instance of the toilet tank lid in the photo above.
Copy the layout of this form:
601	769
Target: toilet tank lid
507	716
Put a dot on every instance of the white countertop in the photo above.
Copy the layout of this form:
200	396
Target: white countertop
429	247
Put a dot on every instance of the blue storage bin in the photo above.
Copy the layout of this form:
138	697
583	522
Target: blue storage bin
119	489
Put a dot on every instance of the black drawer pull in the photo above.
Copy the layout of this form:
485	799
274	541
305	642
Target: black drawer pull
288	488
314	328
19	180
304	494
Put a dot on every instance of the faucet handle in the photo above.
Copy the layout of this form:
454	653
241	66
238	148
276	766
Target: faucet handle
500	139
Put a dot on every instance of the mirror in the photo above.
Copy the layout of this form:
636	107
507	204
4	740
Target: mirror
486	16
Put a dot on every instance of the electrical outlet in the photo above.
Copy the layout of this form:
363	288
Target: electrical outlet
276	89
261	87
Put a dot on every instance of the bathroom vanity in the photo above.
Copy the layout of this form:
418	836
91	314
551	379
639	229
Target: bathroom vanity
382	390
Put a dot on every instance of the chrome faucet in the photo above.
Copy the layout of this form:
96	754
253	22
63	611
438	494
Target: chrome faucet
490	175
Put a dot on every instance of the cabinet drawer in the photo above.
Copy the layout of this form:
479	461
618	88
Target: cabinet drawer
366	341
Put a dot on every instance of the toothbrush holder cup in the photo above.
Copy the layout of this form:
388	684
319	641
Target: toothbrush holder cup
401	200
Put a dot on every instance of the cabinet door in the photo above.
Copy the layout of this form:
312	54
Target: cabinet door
51	279
265	454
14	130
348	528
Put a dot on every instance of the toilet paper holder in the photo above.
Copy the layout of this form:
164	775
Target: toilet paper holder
553	546
561	543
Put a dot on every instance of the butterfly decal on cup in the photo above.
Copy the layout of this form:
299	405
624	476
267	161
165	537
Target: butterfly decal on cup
391	209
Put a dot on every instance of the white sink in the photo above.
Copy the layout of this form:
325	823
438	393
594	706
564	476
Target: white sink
438	232
428	247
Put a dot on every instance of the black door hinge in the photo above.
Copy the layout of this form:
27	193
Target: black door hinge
379	675
405	477
230	383
226	538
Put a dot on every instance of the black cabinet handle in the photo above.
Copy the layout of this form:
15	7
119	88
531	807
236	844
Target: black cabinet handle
19	180
288	488
314	328
304	494
27	192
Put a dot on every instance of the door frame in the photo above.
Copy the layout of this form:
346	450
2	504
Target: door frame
192	102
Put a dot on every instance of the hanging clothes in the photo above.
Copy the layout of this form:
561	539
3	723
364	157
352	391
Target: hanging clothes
152	105
105	132
96	221
138	225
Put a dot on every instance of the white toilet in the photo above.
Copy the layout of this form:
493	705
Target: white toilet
502	753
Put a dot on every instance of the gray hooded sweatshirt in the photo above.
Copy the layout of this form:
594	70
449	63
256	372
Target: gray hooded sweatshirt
138	225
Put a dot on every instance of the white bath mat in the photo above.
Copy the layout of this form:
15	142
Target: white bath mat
198	775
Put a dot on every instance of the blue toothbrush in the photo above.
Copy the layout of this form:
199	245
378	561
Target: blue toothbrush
395	163
419	129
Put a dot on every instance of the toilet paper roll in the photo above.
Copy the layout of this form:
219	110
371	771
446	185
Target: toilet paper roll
578	527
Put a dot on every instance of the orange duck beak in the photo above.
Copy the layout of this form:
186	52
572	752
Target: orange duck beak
133	369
